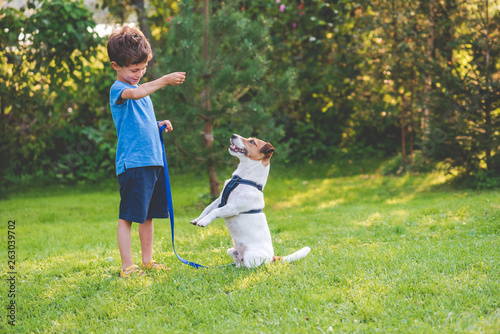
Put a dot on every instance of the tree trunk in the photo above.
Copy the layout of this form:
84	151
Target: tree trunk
411	125
208	127
209	145
397	80
403	126
487	106
144	26
425	125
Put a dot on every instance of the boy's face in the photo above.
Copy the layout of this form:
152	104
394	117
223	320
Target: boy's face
131	74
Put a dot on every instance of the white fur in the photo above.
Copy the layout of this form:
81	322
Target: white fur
250	232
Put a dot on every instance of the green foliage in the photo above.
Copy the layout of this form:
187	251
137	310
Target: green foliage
365	72
233	75
53	85
61	40
481	180
486	179
312	38
388	255
468	92
87	153
399	165
319	79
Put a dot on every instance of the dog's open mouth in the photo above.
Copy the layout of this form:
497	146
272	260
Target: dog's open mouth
236	149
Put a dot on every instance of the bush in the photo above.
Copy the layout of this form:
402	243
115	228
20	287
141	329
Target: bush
399	166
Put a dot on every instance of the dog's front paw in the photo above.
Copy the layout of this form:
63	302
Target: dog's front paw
202	222
195	221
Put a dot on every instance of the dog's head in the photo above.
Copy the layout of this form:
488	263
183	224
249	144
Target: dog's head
252	148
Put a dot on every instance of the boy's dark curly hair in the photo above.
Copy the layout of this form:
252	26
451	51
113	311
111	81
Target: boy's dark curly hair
129	46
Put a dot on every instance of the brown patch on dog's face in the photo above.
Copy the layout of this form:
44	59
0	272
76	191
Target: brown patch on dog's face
257	149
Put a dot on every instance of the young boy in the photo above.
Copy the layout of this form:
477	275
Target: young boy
139	161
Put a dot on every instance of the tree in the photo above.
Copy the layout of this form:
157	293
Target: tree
470	92
228	87
52	84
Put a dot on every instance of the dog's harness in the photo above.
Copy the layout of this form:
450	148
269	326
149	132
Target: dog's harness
231	185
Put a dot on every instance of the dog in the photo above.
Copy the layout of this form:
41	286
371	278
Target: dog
241	203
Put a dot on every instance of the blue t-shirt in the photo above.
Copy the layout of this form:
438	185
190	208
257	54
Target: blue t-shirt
138	140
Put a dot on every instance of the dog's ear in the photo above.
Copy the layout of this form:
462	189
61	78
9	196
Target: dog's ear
267	149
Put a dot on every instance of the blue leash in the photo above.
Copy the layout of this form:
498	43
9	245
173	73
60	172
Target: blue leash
171	207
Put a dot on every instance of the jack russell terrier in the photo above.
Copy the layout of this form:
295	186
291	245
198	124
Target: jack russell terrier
241	203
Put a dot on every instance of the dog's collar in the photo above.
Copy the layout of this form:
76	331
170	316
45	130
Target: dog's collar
232	184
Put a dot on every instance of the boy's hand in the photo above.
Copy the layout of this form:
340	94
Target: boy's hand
175	78
168	125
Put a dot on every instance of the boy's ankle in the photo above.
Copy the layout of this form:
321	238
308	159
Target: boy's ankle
126	265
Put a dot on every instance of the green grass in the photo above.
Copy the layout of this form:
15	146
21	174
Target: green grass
404	255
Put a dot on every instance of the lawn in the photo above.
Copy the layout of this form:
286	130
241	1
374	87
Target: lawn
404	254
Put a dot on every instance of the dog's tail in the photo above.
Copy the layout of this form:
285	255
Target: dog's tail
293	257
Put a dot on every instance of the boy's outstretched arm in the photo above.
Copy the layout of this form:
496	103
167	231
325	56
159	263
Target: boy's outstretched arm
148	88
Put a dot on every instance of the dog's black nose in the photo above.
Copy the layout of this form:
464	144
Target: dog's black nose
234	136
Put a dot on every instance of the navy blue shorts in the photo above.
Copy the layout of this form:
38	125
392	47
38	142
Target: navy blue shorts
143	194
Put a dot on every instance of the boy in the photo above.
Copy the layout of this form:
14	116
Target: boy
139	161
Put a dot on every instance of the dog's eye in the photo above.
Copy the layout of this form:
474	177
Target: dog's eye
251	141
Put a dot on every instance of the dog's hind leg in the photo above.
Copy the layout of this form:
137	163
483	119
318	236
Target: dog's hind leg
254	262
234	253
